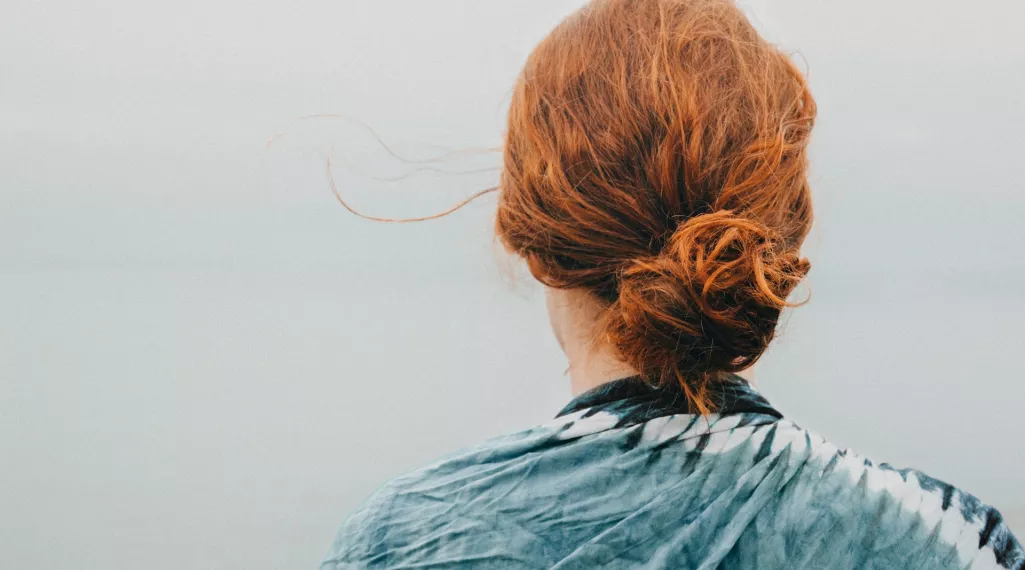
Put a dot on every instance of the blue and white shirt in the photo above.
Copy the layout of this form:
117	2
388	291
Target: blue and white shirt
627	476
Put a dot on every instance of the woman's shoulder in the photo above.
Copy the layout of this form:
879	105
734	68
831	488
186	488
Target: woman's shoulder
435	512
768	492
896	513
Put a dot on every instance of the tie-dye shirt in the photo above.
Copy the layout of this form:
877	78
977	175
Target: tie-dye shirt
628	477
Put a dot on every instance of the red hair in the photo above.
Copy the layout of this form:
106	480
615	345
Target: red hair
656	158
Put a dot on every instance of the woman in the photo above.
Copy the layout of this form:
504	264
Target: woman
655	182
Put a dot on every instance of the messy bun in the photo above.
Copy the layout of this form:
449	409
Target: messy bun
656	159
708	303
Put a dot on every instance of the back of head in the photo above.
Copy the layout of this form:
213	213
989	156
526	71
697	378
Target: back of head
656	158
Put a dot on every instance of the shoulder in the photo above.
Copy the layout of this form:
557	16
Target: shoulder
440	511
897	513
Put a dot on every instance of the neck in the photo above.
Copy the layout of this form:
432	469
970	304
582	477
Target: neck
589	370
574	316
592	362
592	366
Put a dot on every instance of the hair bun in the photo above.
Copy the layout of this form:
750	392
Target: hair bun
708	303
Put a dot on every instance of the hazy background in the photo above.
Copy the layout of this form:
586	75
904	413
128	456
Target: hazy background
205	362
